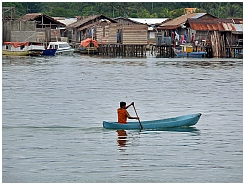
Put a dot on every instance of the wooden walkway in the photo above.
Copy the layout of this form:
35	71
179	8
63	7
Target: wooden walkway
164	51
167	51
122	50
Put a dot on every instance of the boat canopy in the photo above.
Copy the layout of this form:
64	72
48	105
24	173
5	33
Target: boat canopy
17	44
87	41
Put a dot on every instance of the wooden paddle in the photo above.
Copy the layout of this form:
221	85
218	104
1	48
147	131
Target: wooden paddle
138	116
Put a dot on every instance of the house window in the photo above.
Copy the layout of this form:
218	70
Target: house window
103	31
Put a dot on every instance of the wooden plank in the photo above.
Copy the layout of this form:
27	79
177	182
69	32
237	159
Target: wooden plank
133	42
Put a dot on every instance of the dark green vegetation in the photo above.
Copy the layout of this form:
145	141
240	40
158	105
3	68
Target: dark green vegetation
126	9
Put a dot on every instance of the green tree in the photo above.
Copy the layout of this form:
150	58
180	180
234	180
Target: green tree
60	12
143	13
126	9
231	10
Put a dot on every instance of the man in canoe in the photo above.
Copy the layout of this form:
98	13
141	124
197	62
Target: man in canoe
123	114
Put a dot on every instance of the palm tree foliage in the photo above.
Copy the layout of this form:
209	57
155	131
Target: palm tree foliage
127	9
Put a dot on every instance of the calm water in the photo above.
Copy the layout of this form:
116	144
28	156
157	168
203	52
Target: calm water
53	108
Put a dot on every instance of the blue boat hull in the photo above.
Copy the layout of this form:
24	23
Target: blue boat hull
180	121
49	52
194	54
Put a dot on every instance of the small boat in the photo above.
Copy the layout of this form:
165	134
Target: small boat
88	46
62	47
180	121
15	48
239	54
36	50
49	52
188	52
39	50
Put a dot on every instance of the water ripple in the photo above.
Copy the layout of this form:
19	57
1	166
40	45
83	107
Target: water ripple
53	108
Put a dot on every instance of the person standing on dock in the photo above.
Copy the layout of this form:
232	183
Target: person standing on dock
196	44
123	114
192	38
117	36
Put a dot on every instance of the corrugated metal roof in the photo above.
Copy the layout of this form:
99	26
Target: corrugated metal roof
29	17
228	26
67	21
118	19
34	16
238	27
198	15
182	19
214	25
204	25
91	25
150	21
232	20
238	21
80	23
171	27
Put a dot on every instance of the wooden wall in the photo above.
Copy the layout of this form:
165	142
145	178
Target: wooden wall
134	34
106	34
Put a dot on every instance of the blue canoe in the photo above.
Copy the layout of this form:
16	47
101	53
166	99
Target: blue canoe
180	121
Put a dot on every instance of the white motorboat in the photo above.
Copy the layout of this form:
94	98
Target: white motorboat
62	47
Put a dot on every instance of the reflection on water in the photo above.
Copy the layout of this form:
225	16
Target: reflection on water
27	60
206	64
121	138
181	129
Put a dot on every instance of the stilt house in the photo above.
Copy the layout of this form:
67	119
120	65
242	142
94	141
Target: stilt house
33	27
152	23
98	27
232	29
177	26
131	32
218	33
